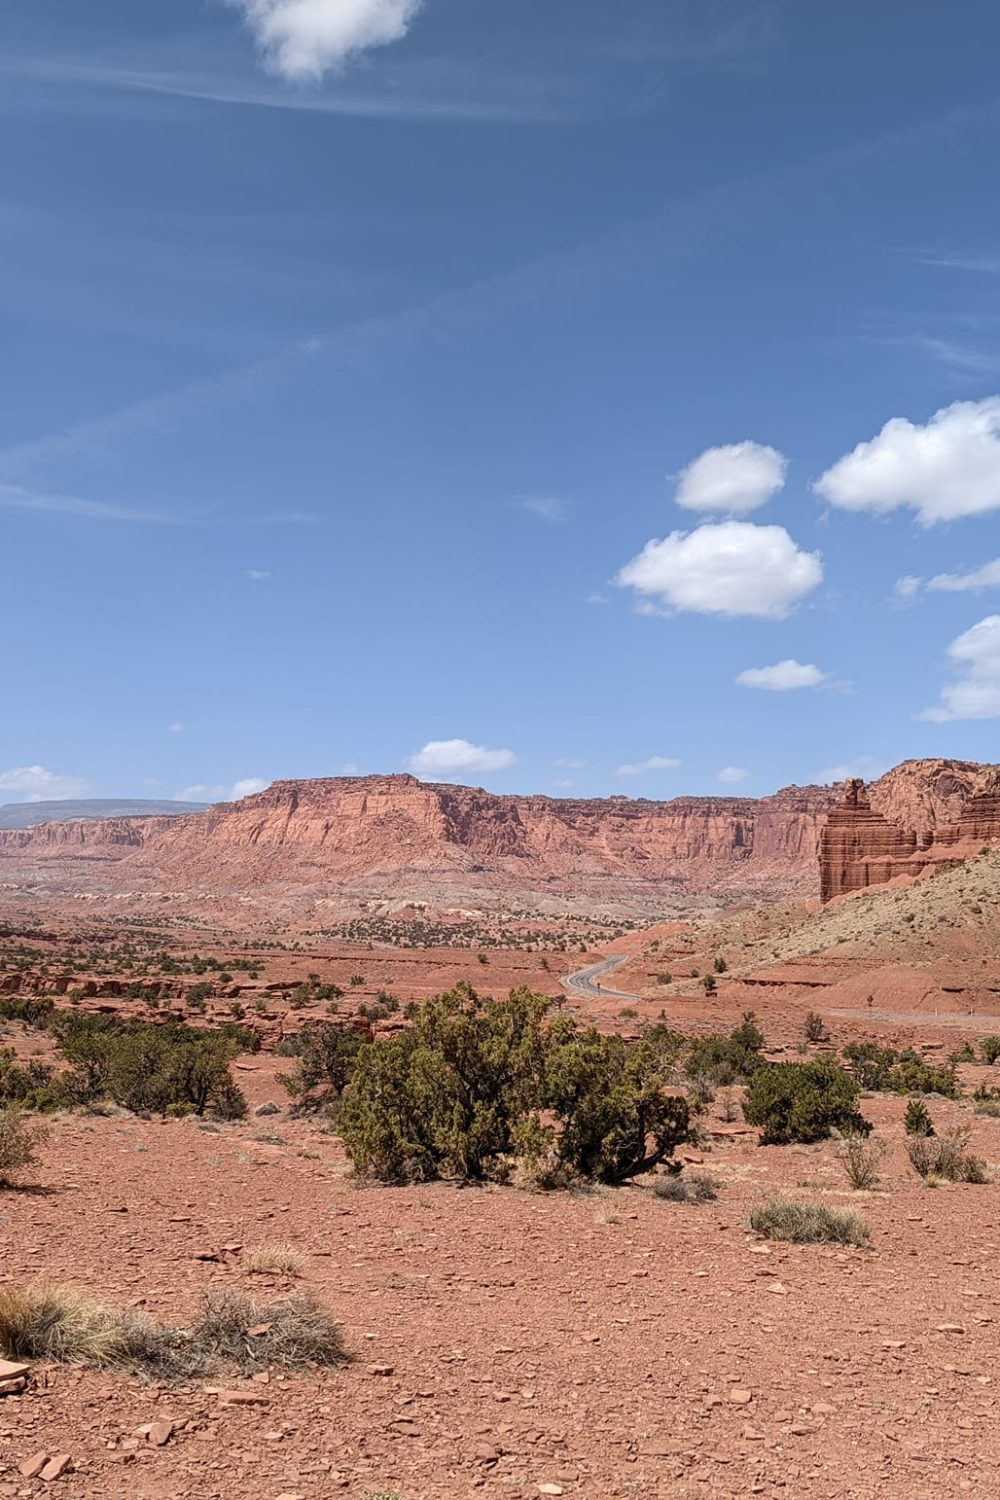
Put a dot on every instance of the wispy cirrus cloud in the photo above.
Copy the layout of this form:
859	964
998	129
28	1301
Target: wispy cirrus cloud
546	508
673	232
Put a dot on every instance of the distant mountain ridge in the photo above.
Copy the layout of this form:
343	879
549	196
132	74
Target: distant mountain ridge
31	814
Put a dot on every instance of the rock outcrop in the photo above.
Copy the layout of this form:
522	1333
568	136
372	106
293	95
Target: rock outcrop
860	846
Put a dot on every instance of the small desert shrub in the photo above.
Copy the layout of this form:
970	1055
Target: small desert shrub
988	1106
31	1085
918	1121
989	1047
19	1142
945	1155
884	1070
726	1059
808	1223
803	1102
297	1331
327	1055
861	1158
171	1069
283	1260
814	1028
697	1187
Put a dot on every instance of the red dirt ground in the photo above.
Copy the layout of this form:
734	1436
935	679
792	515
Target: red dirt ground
589	1341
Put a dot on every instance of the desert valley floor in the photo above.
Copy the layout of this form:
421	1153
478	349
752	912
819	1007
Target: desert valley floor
500	1340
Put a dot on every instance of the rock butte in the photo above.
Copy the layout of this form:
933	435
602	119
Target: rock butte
394	838
861	847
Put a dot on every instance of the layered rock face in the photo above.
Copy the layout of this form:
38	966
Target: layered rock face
313	843
959	810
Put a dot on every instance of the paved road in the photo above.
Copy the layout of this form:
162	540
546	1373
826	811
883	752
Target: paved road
586	981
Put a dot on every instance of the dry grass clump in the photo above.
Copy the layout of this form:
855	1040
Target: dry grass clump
945	1156
696	1187
19	1144
65	1326
861	1156
808	1223
282	1260
298	1330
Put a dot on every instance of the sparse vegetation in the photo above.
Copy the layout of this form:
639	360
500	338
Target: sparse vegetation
692	1187
918	1121
861	1156
279	1260
814	1028
171	1069
326	1055
808	1223
19	1143
946	1156
989	1048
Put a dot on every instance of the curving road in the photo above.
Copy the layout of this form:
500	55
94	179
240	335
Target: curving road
587	981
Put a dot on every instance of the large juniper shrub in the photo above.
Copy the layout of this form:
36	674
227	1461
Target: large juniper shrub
472	1085
803	1102
617	1117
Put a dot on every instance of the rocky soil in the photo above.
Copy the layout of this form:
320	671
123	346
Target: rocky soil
511	1344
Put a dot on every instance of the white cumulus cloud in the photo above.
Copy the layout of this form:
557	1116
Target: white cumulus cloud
946	469
201	792
36	784
783	677
654	763
975	694
986	577
735	478
733	775
303	39
446	757
732	568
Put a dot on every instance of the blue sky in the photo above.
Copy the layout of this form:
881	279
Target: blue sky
559	397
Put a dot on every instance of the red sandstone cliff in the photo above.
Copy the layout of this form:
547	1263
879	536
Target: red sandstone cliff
921	817
394	836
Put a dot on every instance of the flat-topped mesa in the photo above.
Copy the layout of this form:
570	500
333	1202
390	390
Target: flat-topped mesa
858	846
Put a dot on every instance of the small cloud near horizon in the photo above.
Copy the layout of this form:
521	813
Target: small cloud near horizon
732	775
202	792
440	758
653	763
36	784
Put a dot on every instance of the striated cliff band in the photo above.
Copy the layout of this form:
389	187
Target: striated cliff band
860	846
306	847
